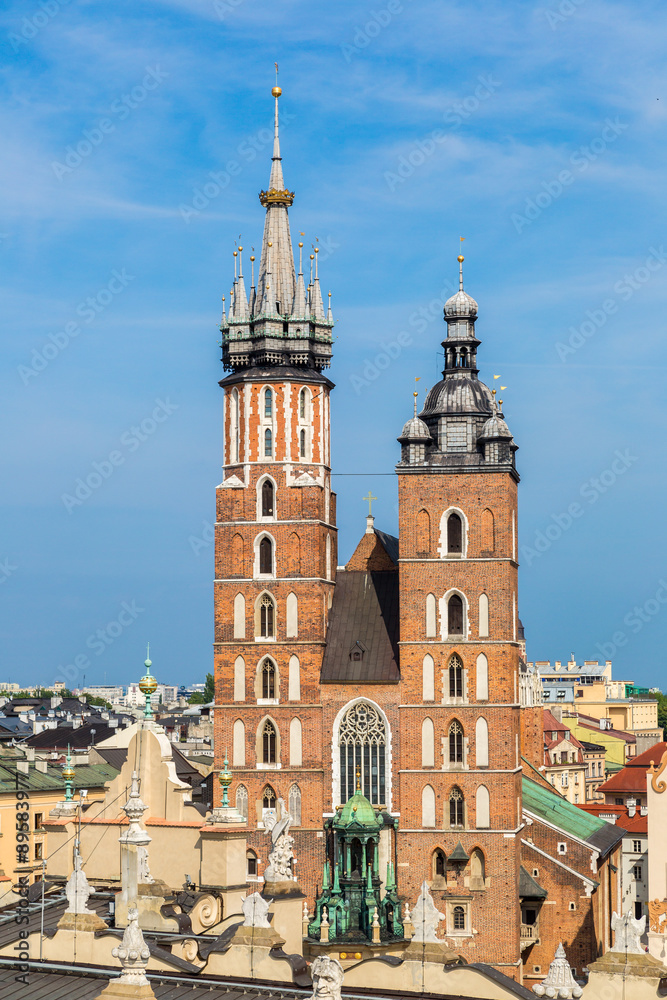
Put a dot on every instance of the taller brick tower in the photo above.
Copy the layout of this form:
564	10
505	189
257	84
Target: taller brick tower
460	766
275	542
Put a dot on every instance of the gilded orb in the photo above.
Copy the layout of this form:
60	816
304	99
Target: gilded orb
460	259
68	772
276	92
147	684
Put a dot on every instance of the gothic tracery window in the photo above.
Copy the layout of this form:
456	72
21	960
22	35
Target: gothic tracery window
267	617
268	443
455	735
268	743
268	403
455	677
455	807
242	800
362	741
268	679
295	805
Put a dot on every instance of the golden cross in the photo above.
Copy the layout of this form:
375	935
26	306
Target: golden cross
370	500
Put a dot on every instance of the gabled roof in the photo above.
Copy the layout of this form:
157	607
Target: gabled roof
631	780
66	735
630	824
556	810
364	609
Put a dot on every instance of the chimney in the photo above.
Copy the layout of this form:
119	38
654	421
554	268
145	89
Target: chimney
23	766
29	753
643	810
632	807
41	765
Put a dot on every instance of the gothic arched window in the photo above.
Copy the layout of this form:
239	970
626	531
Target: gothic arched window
454	534
268	743
362	739
303	397
459	915
242	800
439	864
455	736
267	617
268	798
455	807
268	443
268	492
268	403
266	555
455	677
268	679
455	615
302	444
295	805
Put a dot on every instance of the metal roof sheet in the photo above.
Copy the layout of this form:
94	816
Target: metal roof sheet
555	809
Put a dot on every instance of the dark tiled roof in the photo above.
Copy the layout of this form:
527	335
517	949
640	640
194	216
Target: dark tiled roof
365	610
116	757
528	887
390	543
66	735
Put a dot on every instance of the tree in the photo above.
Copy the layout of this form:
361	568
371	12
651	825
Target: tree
662	710
205	696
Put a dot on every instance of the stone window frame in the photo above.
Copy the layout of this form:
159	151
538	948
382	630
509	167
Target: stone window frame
257	575
261	517
258	623
443	610
451	903
259	672
263	765
443	550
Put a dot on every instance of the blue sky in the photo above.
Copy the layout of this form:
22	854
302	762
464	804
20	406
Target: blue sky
537	131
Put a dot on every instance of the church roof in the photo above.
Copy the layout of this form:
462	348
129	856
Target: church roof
548	805
364	610
358	811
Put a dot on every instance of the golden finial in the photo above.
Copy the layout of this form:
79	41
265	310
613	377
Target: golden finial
358	788
253	258
300	244
316	249
460	258
240	249
312	256
276	92
236	253
329	294
270	244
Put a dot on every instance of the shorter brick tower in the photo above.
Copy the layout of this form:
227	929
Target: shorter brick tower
460	767
275	543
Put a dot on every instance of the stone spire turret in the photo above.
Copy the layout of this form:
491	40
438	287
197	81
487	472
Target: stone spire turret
280	324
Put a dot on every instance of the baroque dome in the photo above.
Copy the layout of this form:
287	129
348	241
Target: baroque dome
458	395
460	306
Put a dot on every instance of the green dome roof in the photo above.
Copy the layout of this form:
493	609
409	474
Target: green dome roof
358	811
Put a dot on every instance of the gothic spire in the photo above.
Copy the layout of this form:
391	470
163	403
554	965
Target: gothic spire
276	199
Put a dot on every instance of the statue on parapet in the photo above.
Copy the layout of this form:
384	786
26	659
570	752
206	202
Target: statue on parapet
279	868
628	932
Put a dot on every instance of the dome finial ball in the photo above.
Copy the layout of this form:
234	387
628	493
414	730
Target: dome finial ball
276	92
460	259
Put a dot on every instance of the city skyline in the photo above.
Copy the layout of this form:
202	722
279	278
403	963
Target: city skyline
545	168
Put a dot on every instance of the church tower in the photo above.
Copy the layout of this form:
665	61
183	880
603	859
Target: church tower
275	536
460	766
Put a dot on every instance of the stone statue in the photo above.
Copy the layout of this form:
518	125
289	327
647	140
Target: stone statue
256	911
279	868
77	889
426	917
560	984
628	932
133	953
327	975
